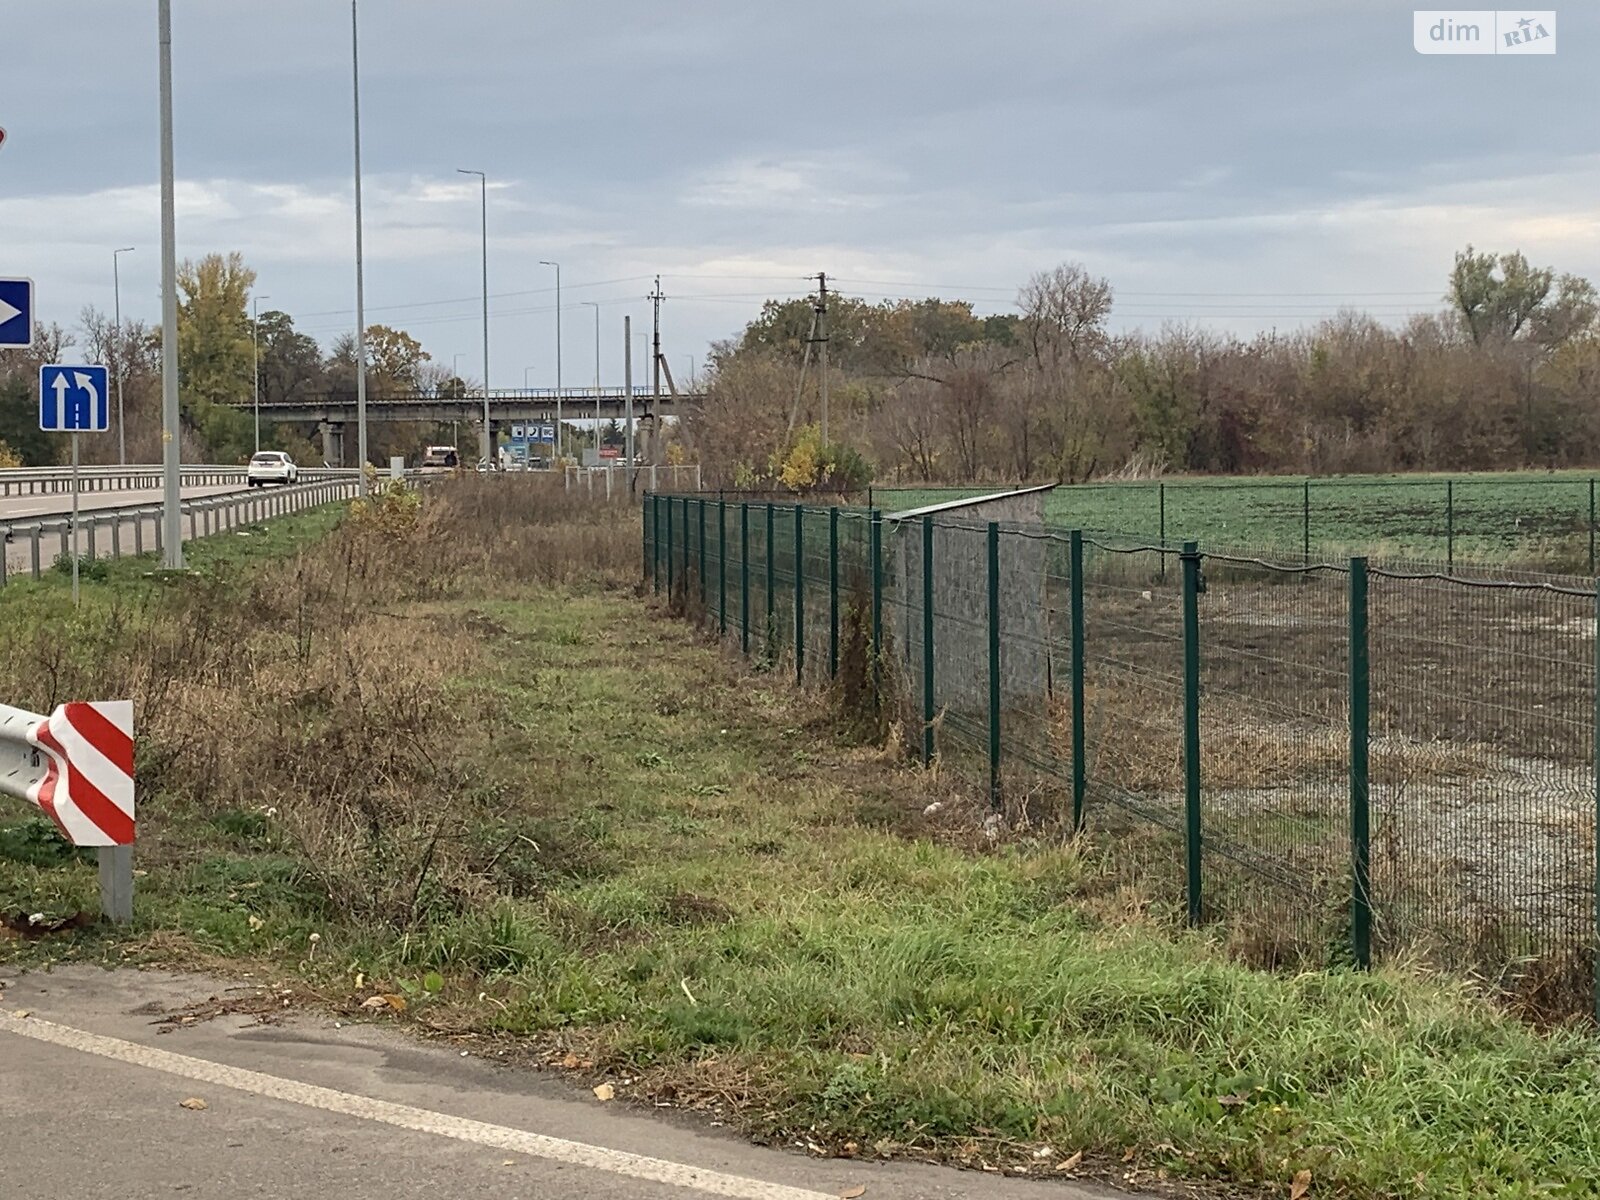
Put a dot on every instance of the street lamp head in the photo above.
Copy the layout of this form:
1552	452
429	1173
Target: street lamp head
464	171
124	250
545	262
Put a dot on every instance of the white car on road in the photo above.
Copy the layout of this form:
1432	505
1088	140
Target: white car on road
271	466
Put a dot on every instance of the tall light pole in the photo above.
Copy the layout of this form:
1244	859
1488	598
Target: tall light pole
544	262
483	187
255	343
361	281
592	304
116	286
171	447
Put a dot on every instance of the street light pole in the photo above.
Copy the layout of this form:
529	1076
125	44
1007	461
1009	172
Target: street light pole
544	262
116	285
592	304
483	185
255	343
361	285
171	446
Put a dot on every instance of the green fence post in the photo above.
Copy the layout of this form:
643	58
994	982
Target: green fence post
833	592
927	641
1080	756
669	549
1597	806
1360	794
683	575
1450	521
646	514
1591	526
701	505
799	594
1161	491
772	587
722	568
744	576
875	549
1191	721
994	666
1305	520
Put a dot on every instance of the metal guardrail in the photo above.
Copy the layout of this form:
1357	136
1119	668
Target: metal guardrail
36	481
206	515
77	767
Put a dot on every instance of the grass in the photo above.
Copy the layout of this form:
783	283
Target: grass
682	878
1533	518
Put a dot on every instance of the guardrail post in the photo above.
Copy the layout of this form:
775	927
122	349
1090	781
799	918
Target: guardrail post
138	535
927	641
722	566
116	536
833	592
1080	753
994	666
34	548
1191	723
1360	797
744	576
116	883
799	594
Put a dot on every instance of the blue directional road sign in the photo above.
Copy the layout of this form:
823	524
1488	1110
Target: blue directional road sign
74	399
16	314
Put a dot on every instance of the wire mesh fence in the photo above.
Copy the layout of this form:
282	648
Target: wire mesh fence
1341	762
1546	520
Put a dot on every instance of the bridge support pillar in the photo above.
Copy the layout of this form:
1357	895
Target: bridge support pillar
332	443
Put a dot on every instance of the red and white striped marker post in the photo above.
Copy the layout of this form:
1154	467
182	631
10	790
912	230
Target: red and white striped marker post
76	766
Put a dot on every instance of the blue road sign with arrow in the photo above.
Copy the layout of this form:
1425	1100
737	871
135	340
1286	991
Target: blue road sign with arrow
16	314
74	399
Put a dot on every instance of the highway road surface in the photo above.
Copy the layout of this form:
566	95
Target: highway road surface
93	1085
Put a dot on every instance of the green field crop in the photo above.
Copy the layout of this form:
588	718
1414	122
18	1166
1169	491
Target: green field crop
1543	519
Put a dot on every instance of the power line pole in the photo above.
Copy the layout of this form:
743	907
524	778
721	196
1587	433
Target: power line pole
822	337
655	299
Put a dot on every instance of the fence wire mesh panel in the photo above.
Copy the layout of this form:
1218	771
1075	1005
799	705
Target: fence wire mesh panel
1339	762
1483	792
1274	736
1133	706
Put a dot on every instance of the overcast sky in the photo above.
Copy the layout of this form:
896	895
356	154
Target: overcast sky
1245	165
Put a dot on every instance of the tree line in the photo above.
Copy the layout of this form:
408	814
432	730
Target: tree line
217	350
1505	374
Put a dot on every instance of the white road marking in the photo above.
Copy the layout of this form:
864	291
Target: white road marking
403	1116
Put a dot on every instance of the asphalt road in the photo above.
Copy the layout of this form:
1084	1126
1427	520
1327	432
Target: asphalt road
92	1085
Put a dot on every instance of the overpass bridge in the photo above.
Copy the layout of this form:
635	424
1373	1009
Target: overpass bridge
331	412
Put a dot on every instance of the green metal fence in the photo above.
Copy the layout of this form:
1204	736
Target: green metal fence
1545	519
1339	762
